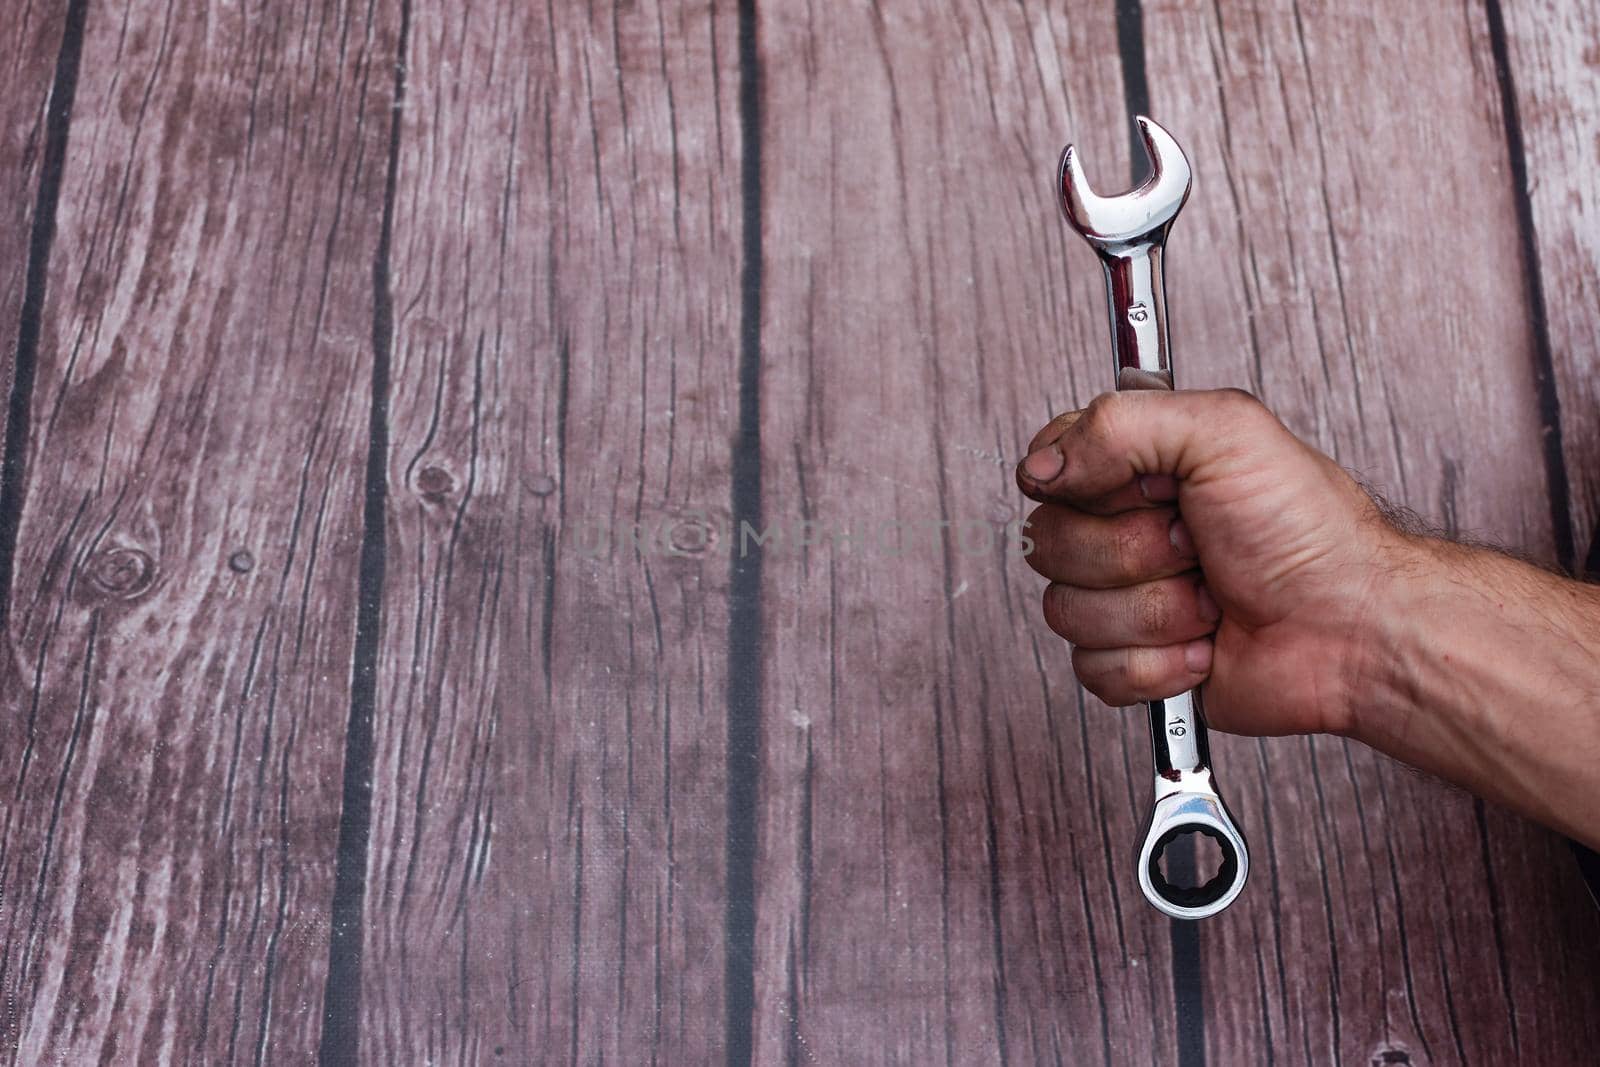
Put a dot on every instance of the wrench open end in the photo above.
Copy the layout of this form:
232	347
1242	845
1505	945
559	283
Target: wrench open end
1134	215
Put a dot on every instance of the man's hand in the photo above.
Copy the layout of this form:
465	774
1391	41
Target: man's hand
1290	545
1315	612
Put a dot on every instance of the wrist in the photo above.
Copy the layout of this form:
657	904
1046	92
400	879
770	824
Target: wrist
1483	669
1402	589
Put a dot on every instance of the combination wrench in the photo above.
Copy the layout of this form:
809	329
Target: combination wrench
1129	233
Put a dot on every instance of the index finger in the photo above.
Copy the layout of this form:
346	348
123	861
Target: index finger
1152	490
1130	450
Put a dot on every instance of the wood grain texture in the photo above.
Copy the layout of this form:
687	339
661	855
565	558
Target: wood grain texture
1350	254
545	881
946	822
645	786
1554	65
30	69
179	648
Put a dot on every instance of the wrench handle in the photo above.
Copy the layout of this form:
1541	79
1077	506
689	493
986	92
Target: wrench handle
1178	736
1186	800
1137	301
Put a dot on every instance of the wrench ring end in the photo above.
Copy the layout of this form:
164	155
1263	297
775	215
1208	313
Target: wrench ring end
1178	814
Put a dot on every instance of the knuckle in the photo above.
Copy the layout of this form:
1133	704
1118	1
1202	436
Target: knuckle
1152	610
1135	671
1127	551
1244	407
1093	676
1058	610
1144	673
1047	525
1239	399
1065	549
1098	404
1054	429
1041	531
1104	414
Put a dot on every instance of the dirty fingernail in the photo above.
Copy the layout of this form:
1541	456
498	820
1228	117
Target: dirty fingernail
1197	656
1158	486
1206	603
1181	539
1044	464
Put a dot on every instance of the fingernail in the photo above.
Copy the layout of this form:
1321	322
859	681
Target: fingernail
1181	539
1197	656
1158	486
1044	464
1207	605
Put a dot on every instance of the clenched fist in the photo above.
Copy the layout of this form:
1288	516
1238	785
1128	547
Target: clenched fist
1190	538
1258	585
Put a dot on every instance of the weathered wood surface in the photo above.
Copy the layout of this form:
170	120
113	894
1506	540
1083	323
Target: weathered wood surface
30	56
179	650
1554	64
368	338
546	871
944	825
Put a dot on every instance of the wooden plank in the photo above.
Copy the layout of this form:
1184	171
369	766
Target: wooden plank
1555	70
181	621
947	824
1347	254
546	879
39	58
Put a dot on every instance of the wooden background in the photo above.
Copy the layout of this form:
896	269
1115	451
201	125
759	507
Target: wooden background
348	718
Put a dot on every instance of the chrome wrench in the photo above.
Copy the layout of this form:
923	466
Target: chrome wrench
1128	233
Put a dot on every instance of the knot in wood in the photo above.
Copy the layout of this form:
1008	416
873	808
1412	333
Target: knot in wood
121	573
689	535
541	485
434	481
241	562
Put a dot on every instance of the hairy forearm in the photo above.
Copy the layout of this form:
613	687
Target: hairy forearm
1486	671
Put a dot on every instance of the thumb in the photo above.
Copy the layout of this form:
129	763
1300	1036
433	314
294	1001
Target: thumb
1099	461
